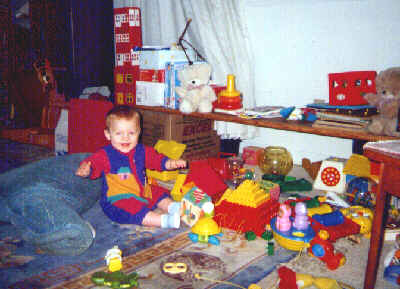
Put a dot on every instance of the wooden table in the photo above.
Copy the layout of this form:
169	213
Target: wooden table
280	124
388	184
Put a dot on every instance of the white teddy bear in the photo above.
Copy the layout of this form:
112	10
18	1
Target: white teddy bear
194	91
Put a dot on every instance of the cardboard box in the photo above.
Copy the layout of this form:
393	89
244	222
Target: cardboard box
150	93
129	57
125	41
198	135
171	81
125	78
154	57
153	75
126	18
127	35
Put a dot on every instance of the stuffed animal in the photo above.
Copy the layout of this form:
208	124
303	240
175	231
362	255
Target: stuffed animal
194	92
387	101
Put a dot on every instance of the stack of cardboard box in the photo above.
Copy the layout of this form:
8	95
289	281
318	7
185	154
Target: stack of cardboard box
127	35
198	135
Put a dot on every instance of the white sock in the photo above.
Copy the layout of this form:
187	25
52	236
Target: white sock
174	207
170	221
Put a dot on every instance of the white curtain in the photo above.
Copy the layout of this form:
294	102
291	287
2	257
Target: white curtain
218	30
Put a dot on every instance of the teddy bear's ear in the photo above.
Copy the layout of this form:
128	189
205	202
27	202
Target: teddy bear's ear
205	69
395	81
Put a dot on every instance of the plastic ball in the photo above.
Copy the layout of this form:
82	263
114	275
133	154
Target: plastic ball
275	160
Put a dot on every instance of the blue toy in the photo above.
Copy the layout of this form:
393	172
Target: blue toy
358	192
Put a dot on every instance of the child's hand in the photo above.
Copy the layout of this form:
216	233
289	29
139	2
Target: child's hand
175	164
83	170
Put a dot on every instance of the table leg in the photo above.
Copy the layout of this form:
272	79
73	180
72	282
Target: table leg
377	231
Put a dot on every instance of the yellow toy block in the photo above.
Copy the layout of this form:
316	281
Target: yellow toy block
249	193
358	165
176	192
164	176
323	209
172	150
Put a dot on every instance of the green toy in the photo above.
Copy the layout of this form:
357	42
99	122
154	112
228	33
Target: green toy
288	183
115	280
250	236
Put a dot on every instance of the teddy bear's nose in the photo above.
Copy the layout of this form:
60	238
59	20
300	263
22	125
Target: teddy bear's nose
194	81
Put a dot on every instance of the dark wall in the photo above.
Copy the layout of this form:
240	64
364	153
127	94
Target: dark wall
90	36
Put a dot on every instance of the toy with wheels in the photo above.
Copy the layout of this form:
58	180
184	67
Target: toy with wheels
321	248
318	244
292	239
206	230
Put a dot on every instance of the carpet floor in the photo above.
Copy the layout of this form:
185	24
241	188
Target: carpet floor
146	250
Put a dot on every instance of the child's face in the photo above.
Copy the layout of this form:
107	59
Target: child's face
123	134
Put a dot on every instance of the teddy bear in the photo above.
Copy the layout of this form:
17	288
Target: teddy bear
195	94
387	101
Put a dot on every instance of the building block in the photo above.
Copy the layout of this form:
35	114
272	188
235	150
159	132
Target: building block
242	218
176	192
172	150
206	178
271	188
248	193
192	205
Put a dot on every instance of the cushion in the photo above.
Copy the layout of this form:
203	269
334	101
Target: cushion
44	200
86	123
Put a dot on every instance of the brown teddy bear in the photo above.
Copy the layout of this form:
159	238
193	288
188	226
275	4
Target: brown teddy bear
387	101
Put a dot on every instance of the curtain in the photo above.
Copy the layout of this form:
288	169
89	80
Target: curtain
218	30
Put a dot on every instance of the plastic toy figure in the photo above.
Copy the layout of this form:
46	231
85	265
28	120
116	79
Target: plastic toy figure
114	259
301	221
283	221
115	278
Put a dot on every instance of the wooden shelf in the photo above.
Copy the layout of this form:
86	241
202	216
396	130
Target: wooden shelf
280	124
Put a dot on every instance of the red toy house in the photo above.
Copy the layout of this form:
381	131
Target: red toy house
348	88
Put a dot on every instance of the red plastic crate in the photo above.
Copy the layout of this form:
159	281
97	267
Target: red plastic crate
348	88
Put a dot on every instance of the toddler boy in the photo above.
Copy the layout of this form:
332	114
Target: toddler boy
127	197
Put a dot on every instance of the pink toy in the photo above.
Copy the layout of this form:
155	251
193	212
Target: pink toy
283	221
250	155
301	221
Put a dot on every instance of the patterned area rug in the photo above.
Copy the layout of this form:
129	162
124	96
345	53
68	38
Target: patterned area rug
145	251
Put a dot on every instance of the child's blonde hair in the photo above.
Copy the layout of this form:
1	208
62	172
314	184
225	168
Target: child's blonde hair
122	112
